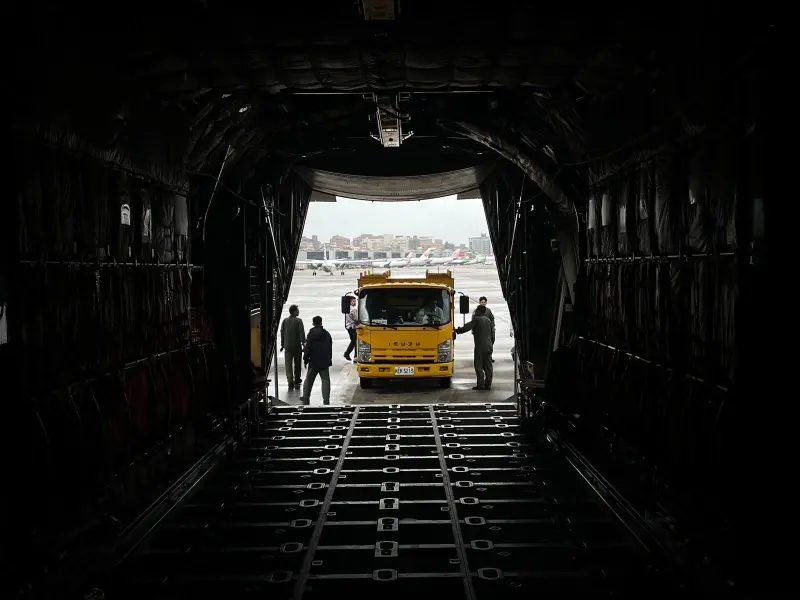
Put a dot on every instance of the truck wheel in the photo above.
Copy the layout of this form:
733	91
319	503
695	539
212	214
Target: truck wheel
444	383
366	383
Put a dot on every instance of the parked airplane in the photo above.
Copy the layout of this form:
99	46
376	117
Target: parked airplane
402	262
481	260
329	266
449	260
461	259
385	263
425	259
478	260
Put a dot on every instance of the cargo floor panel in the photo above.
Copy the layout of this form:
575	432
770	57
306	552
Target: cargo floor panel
402	531
391	500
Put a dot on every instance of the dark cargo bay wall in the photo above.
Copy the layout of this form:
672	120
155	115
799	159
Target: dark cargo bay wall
663	354
117	365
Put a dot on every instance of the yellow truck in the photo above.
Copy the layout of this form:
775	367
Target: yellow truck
405	326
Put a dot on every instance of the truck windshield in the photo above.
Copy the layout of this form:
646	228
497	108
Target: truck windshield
400	307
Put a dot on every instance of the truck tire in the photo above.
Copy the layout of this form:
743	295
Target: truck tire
445	382
365	383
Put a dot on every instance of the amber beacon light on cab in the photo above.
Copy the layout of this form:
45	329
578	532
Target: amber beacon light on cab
405	326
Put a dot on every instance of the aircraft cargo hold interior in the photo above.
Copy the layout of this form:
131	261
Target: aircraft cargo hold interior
163	167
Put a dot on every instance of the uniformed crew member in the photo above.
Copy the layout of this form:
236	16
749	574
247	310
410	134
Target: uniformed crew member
293	338
489	315
481	328
318	357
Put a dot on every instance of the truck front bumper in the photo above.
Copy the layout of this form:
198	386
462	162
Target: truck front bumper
388	371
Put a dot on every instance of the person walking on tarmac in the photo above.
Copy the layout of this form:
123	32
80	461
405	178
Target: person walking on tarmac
489	315
293	338
318	357
481	328
350	322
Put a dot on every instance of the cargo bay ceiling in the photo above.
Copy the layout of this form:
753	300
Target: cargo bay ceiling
375	87
568	96
378	87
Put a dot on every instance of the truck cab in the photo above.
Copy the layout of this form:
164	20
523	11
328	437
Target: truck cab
405	327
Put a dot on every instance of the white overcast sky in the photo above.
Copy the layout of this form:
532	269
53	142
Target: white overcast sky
446	218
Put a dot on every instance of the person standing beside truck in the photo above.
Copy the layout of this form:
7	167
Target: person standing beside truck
318	357
481	328
489	315
293	338
350	323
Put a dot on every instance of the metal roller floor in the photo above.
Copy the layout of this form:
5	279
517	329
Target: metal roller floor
390	500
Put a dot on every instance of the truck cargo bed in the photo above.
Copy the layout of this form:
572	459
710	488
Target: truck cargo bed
391	500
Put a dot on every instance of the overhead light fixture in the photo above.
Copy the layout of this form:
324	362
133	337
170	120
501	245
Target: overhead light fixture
378	10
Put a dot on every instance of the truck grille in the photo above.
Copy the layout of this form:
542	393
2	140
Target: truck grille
406	360
404	351
404	355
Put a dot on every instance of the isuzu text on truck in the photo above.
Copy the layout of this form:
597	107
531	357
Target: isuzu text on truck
405	326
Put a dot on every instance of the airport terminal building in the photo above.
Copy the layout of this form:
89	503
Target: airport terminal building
349	254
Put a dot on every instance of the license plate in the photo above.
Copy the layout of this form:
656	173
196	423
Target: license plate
404	370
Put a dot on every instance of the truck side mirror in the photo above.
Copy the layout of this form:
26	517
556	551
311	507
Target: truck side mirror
346	304
463	305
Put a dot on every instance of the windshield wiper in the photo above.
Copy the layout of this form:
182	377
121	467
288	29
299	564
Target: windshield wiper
380	325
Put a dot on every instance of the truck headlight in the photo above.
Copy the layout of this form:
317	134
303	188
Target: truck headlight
445	351
364	351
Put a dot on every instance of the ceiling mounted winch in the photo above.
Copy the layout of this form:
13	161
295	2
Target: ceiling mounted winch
391	116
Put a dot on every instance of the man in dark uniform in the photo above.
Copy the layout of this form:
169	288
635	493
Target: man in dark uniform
293	338
481	328
489	315
318	357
